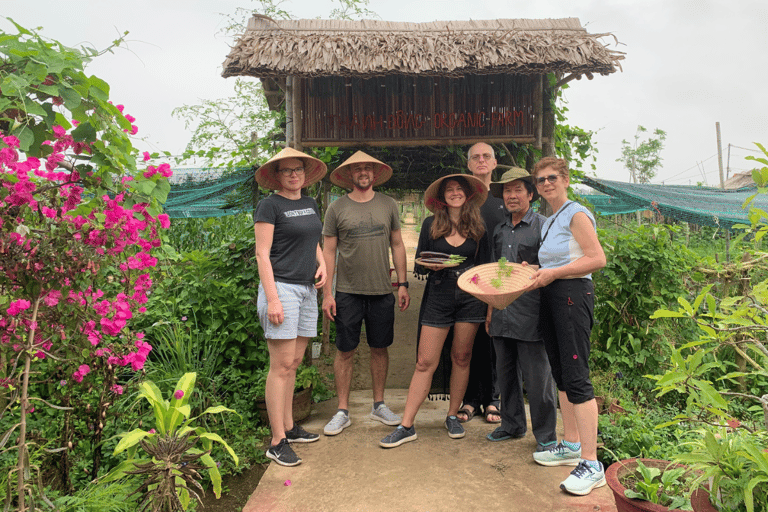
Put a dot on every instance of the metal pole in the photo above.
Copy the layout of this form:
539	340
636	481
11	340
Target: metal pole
722	186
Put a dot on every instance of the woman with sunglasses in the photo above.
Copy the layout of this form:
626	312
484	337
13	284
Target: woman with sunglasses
569	253
456	228
291	269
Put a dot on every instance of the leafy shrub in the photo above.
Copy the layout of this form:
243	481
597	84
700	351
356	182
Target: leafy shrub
645	271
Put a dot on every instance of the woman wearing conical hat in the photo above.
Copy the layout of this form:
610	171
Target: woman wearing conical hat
291	269
456	228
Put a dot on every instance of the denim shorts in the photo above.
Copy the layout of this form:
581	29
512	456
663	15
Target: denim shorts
299	309
447	303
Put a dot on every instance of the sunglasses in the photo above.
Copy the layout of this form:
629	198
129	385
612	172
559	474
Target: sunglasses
551	178
287	172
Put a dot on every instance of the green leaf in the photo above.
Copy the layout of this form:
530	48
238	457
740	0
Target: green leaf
72	98
664	313
216	437
130	439
686	305
213	473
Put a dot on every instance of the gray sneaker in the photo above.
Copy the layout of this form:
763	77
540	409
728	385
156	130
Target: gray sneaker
399	436
298	435
558	455
339	422
283	454
384	415
542	447
455	430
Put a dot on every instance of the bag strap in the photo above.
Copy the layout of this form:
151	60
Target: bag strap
555	218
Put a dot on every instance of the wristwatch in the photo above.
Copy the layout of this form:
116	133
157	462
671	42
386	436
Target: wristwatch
404	283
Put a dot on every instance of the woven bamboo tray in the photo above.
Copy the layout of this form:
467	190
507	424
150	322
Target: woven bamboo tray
477	281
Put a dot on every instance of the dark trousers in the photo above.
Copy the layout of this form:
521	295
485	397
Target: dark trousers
519	362
482	389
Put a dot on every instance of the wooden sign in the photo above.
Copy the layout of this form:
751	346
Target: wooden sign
407	110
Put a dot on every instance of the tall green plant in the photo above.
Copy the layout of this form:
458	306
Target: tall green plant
170	470
645	271
731	450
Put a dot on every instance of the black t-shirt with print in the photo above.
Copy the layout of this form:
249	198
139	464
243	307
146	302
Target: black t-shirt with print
297	232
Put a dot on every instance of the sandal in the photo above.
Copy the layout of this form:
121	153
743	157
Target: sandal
467	412
492	412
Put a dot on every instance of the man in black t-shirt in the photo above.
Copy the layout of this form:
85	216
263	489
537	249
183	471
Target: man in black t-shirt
482	390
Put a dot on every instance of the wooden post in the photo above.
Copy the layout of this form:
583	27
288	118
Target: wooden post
297	113
548	131
288	111
538	105
326	345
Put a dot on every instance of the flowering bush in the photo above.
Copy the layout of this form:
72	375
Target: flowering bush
79	223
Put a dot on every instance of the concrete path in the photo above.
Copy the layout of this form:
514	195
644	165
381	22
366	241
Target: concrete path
351	473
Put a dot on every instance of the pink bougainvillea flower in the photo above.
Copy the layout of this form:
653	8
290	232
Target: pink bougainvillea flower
147	156
130	118
134	129
18	306
59	131
11	141
152	431
178	395
117	389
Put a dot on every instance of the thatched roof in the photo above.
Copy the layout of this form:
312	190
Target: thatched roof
308	48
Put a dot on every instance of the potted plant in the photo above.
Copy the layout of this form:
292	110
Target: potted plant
649	485
309	382
732	470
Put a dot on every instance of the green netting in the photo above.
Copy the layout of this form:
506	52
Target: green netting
609	205
210	192
696	205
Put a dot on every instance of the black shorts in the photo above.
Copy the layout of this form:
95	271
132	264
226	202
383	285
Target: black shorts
566	320
378	311
447	303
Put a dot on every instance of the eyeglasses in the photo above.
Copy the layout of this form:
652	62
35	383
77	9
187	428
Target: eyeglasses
476	158
551	178
287	172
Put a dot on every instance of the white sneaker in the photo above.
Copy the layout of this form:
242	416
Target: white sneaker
339	422
583	479
383	414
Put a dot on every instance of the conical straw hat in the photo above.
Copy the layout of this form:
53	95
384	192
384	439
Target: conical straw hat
314	169
477	282
342	177
431	201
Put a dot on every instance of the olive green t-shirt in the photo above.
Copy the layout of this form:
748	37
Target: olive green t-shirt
363	232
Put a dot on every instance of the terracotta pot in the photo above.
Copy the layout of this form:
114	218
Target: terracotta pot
302	406
616	473
700	501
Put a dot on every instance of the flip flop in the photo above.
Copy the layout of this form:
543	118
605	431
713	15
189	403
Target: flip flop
470	414
495	413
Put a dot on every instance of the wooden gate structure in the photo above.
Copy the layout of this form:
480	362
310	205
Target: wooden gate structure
379	83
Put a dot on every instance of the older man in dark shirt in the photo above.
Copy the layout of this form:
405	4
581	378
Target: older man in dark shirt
520	353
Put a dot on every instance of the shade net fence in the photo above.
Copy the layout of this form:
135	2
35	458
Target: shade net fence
703	206
214	192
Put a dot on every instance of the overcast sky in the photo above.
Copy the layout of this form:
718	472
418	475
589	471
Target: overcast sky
689	64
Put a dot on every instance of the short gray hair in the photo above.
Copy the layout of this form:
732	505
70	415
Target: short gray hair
469	151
